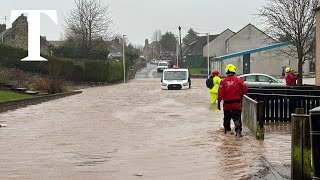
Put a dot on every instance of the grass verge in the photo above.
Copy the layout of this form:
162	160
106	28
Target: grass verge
7	96
197	70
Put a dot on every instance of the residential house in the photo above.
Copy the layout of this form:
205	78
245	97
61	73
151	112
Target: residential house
196	47
152	50
269	61
56	43
115	47
194	52
217	47
17	35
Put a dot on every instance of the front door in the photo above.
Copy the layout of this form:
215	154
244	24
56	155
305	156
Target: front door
246	64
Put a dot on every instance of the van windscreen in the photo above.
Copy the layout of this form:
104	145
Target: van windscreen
163	64
175	75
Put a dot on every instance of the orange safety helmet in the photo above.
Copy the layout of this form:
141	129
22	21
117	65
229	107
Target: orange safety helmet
215	73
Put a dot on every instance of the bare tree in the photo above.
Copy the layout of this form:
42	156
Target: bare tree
156	35
89	21
295	21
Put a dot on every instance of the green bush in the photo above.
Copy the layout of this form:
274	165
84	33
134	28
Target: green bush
115	71
102	71
77	73
95	71
66	68
11	57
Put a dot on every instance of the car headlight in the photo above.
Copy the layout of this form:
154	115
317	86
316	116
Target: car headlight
164	84
185	84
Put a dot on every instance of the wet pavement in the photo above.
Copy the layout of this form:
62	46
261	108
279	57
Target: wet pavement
134	131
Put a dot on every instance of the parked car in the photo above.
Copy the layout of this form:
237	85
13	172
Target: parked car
175	79
154	61
162	65
260	80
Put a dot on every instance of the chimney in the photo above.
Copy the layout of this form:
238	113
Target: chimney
3	27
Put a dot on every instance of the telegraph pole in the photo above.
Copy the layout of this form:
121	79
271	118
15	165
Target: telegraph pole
123	61
180	48
152	53
177	51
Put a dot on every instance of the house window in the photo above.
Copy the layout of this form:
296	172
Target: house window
13	37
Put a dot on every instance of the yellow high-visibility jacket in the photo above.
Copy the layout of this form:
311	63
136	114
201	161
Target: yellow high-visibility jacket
216	85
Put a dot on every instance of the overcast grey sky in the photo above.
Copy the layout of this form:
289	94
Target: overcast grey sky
140	18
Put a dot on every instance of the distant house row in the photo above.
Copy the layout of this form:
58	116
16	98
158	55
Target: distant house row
266	60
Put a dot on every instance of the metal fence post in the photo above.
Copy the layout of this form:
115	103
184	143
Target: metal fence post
315	141
300	146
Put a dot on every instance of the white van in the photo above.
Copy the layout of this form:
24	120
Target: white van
162	65
175	79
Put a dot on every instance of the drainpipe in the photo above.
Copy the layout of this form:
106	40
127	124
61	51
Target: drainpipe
317	60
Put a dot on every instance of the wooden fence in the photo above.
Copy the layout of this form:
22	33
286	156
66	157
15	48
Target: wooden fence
253	116
284	105
279	107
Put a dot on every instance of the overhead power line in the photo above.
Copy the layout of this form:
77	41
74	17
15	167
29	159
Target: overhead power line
200	29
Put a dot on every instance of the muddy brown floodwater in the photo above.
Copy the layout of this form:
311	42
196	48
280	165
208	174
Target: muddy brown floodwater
131	131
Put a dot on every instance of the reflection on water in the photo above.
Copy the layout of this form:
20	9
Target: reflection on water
277	143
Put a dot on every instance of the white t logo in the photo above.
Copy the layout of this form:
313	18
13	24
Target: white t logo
34	31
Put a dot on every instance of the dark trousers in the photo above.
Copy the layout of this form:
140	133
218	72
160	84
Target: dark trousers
234	114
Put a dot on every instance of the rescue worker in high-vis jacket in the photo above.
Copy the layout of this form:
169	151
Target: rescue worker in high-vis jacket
214	90
290	77
231	90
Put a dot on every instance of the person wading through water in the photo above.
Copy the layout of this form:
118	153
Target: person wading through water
213	88
231	90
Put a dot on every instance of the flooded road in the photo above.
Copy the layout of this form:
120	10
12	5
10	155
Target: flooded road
132	131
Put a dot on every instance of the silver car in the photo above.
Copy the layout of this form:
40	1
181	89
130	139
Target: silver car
260	80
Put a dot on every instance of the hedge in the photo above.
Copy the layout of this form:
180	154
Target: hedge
94	71
67	68
115	72
77	73
11	57
103	71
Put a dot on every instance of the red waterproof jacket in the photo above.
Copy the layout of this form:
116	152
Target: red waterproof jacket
231	90
291	78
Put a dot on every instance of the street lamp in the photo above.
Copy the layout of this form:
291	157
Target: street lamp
208	54
160	53
152	52
180	49
124	62
177	51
